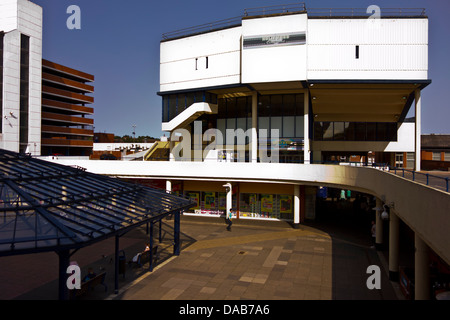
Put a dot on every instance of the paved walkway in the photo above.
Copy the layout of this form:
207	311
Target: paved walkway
257	260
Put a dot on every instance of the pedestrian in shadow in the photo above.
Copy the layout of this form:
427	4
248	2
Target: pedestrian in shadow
228	219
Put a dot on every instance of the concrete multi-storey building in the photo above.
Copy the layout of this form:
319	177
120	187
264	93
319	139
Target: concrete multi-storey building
43	104
67	128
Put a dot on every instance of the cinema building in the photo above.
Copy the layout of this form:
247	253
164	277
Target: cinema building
319	88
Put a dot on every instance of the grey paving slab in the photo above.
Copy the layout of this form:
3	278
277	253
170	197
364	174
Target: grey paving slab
255	261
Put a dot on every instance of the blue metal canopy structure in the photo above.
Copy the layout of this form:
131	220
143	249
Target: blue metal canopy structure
46	206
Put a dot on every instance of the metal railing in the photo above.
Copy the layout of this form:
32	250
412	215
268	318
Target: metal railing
282	8
216	25
289	8
431	180
362	12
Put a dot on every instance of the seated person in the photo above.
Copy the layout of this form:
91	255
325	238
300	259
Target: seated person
136	257
91	274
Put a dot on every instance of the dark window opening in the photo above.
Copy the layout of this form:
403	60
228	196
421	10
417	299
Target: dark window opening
24	91
357	52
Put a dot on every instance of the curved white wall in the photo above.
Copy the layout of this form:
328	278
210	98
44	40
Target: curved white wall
424	209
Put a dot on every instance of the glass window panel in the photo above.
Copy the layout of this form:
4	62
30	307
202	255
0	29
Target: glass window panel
189	99
318	131
338	131
289	105
349	131
436	156
199	96
276	124
299	126
181	103
231	125
288	127
276	105
360	131
382	131
392	131
222	105
446	156
327	131
241	107
371	131
300	102
263	124
242	123
264	106
231	108
221	126
172	106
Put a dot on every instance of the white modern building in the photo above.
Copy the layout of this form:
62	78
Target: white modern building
313	87
20	76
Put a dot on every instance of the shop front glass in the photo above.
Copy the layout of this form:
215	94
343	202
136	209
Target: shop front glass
268	206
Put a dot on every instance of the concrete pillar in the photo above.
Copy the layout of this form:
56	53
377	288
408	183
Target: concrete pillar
306	151
296	206
422	270
168	185
254	155
393	245
418	103
379	225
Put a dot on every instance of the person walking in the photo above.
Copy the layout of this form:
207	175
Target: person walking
228	219
373	232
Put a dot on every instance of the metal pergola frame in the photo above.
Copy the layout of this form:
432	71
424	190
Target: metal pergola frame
46	206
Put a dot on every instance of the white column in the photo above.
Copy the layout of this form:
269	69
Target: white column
168	185
393	245
306	151
296	205
254	155
418	102
422	271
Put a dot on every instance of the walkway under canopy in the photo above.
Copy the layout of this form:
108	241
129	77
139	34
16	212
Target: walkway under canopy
46	206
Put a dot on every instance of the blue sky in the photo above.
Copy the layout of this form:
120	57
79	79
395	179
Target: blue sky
119	43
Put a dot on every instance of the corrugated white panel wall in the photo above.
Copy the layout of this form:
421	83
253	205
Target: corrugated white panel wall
388	49
201	61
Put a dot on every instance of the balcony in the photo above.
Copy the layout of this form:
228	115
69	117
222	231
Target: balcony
71	84
71	96
72	73
65	130
67	119
67	106
61	142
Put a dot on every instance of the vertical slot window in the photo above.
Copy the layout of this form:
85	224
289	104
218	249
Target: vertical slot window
24	91
357	52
